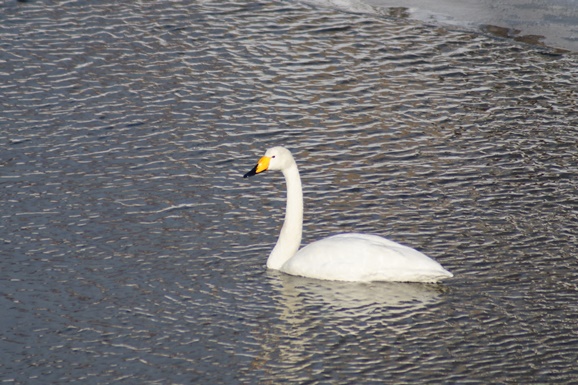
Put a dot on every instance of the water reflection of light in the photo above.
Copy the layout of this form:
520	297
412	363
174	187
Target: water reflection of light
351	306
313	312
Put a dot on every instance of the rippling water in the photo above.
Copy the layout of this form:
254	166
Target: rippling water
134	252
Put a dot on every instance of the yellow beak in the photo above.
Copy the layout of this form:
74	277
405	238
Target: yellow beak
262	165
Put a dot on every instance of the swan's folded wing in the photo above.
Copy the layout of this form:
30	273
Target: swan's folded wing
361	257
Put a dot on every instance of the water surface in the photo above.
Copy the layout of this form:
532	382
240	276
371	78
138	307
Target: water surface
552	23
133	251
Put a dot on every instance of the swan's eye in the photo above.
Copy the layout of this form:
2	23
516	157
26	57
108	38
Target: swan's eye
273	157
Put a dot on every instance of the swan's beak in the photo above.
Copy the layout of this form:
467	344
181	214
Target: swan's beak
262	165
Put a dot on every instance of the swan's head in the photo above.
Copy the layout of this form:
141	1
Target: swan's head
275	159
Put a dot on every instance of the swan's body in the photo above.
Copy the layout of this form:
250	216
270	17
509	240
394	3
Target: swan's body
344	257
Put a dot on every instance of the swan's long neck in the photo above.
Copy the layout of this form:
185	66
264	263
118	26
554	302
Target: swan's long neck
290	236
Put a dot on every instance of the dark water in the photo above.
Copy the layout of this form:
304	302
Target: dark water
132	250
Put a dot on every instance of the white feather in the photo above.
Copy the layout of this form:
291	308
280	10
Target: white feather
344	257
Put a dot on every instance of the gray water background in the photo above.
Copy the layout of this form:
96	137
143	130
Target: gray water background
552	23
133	252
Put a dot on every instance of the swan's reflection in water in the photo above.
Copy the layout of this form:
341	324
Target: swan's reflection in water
351	306
333	318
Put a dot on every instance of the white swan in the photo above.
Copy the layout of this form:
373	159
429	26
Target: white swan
343	257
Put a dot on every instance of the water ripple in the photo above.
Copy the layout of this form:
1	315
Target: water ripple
134	250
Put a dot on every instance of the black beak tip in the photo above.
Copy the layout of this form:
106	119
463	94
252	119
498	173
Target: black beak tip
251	173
